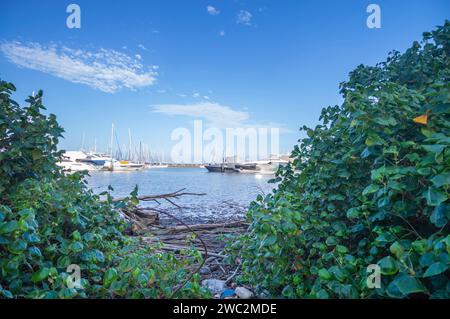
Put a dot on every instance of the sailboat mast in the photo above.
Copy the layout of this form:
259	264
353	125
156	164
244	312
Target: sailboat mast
112	144
129	145
112	139
82	141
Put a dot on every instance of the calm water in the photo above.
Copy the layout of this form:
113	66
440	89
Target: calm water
227	195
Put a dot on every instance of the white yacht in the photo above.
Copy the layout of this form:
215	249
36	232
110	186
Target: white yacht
98	159
269	166
76	161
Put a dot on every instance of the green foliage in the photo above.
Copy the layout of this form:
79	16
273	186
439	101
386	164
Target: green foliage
49	220
369	185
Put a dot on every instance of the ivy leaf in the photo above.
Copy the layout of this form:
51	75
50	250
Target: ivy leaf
435	197
420	246
36	154
341	249
288	291
76	246
435	269
396	249
408	284
438	217
8	227
386	121
372	188
441	179
365	153
40	275
388	266
426	260
6	293
353	213
324	274
270	240
110	276
436	149
331	241
35	251
373	140
127	264
322	294
18	246
143	279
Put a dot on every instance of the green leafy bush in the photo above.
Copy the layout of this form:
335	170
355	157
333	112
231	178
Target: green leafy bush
369	185
49	220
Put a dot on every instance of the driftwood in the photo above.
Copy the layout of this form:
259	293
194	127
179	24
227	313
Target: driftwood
142	218
167	196
179	238
183	248
206	238
214	227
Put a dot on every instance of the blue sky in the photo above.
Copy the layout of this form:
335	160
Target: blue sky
153	66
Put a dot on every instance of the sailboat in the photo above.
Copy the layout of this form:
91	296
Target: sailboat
121	165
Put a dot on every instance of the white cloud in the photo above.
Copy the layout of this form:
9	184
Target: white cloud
212	11
138	56
141	46
215	114
244	17
105	70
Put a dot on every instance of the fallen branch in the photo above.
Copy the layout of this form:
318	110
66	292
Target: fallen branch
167	196
176	229
233	274
171	247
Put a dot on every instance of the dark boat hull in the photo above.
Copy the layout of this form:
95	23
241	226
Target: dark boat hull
220	169
214	169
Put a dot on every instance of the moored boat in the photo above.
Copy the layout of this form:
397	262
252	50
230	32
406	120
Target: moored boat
221	168
115	165
76	161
